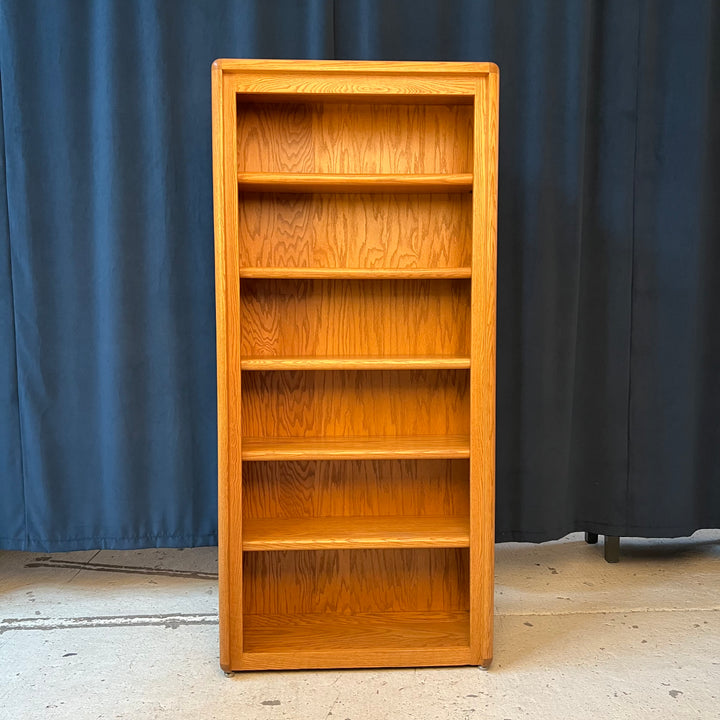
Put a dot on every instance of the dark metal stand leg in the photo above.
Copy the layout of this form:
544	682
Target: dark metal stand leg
612	548
591	538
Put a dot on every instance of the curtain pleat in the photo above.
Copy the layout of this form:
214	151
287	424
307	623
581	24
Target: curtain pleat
12	486
674	469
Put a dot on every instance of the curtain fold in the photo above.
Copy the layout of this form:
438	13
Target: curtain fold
608	402
12	487
674	471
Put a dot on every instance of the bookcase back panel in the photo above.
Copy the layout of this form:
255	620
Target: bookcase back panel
355	403
364	230
355	488
356	581
355	317
315	137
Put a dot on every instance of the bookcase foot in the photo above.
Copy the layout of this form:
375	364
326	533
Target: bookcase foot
612	548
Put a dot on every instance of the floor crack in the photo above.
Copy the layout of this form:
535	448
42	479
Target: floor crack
125	569
173	621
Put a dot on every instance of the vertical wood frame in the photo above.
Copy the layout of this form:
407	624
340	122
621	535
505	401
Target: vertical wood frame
482	369
227	308
357	81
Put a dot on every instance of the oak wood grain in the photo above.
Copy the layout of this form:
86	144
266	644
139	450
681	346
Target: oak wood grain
355	317
389	89
346	532
360	69
228	367
366	631
354	448
461	94
363	658
326	488
357	362
355	273
425	656
347	582
336	138
355	403
482	372
290	182
427	232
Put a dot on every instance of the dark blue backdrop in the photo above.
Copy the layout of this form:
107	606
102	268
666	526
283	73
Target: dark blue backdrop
609	255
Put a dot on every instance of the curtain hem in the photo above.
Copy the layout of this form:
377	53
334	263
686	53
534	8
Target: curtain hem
128	543
600	529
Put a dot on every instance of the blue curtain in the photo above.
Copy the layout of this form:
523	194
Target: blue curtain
609	265
108	428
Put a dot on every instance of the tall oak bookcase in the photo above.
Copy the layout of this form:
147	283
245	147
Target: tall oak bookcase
355	246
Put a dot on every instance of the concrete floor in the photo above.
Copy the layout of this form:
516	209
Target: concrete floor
134	635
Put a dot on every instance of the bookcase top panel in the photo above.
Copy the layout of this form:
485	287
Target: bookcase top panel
334	80
357	66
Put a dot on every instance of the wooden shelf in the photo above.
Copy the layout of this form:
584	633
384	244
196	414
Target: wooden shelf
355	533
354	448
298	273
357	362
354	183
300	634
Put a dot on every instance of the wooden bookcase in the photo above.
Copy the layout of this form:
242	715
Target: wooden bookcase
355	212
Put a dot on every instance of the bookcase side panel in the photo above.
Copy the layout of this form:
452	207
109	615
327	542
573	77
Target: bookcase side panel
228	368
482	372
